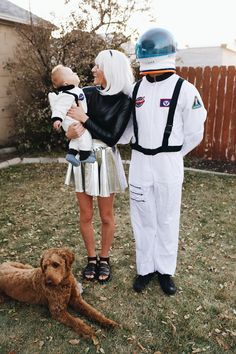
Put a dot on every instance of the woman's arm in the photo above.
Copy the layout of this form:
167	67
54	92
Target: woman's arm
118	120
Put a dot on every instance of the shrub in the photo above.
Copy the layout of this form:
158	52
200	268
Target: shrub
39	50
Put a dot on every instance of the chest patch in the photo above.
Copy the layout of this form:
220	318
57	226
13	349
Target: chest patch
81	97
139	101
165	102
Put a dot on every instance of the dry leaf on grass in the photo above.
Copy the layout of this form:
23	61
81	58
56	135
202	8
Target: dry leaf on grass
41	344
95	340
173	328
222	344
142	347
74	341
103	298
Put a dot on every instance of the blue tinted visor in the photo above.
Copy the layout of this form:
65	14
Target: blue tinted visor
154	43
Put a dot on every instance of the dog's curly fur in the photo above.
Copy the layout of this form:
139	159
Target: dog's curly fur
54	285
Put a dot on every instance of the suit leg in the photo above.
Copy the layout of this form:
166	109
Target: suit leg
168	201
144	224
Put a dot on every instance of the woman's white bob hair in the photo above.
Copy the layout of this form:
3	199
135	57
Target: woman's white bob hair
117	71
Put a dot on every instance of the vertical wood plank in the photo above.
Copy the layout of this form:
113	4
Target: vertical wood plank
231	147
219	113
223	155
200	149
217	87
192	75
212	114
184	72
206	100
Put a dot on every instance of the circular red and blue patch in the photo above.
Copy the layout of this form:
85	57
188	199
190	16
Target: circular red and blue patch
139	101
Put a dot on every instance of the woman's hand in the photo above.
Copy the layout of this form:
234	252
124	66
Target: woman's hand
78	113
75	130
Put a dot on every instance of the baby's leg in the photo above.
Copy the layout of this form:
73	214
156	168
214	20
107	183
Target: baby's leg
73	145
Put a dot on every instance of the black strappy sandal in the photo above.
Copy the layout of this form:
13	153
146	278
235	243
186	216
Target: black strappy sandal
104	269
90	271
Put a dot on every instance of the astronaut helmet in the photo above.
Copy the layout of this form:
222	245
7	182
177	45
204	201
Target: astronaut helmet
156	51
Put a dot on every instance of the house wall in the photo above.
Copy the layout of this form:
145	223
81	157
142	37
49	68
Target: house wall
8	41
229	58
206	56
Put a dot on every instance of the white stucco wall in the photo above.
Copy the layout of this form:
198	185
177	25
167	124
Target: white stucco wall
206	56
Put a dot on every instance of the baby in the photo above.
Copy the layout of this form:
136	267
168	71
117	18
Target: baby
69	94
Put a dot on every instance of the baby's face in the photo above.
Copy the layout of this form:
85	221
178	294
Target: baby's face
69	77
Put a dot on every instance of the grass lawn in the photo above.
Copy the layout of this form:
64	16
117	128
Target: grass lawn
37	212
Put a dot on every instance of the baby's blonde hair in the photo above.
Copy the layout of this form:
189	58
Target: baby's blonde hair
57	81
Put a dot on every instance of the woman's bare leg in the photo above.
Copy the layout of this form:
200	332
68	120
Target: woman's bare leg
105	205
85	203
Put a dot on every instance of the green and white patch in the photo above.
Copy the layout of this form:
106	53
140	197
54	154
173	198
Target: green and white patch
196	103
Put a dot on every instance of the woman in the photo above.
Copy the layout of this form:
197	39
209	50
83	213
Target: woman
109	109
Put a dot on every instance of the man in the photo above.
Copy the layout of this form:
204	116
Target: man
168	123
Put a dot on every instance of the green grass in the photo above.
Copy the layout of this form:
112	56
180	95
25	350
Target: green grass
37	212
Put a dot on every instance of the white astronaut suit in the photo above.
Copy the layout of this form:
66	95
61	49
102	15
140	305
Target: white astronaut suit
60	104
156	180
156	168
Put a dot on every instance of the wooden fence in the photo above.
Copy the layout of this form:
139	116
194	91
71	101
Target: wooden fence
217	86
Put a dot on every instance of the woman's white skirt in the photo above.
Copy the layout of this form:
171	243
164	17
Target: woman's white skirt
101	178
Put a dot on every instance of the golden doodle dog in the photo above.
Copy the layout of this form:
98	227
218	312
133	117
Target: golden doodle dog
54	285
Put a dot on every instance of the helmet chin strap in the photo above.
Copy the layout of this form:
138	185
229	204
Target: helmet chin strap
156	72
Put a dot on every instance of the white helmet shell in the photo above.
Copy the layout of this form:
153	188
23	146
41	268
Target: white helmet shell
156	51
155	64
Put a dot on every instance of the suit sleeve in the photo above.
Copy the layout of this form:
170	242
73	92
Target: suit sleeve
128	133
61	105
194	116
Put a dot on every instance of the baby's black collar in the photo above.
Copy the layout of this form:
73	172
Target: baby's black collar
65	88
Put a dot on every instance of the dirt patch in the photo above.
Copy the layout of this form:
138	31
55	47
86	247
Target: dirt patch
211	165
